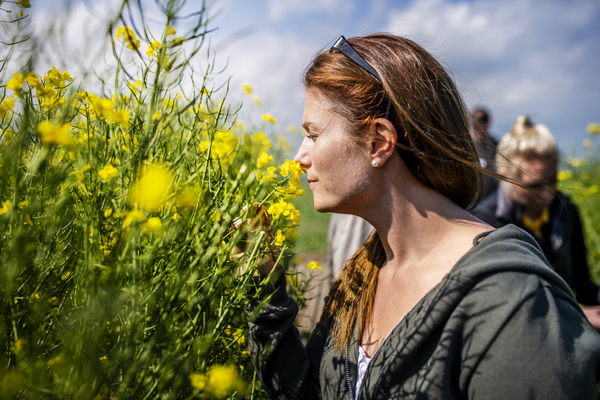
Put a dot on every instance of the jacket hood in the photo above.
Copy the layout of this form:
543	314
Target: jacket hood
506	249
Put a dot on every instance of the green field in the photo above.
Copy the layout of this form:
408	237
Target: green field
312	231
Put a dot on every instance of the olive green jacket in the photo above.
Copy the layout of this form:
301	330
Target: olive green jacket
500	325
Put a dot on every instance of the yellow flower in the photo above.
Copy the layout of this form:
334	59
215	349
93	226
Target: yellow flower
23	204
269	118
564	175
187	198
27	220
23	3
119	116
256	100
131	217
223	380
279	239
80	175
107	212
53	300
263	159
247	88
168	103
152	188
292	128
45	92
223	143
286	209
294	170
588	143
108	172
262	139
34	297
290	192
313	265
576	162
170	31
593	128
6	206
54	133
198	381
154	45
593	189
156	115
57	79
6	106
65	275
129	37
16	84
152	225
56	360
33	80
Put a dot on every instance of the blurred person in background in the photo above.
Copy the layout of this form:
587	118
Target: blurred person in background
528	155
485	145
346	234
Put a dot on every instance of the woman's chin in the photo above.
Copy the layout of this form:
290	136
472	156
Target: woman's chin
323	207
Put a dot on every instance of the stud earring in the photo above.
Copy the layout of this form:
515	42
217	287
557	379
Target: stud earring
375	163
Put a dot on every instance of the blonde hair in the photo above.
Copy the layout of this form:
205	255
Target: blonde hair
526	141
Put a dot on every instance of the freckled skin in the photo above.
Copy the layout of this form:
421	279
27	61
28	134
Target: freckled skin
422	232
337	165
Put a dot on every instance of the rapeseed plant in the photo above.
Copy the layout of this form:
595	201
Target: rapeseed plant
117	233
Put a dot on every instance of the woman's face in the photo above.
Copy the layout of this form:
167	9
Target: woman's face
539	178
337	166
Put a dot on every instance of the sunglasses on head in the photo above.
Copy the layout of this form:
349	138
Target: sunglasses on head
344	47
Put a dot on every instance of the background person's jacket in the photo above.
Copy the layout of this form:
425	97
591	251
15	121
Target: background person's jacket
562	239
501	325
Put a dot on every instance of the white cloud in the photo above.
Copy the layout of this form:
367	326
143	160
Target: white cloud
515	56
280	9
272	67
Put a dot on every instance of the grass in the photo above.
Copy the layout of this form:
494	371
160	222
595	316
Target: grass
312	231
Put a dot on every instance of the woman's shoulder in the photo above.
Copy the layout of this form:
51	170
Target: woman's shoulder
506	249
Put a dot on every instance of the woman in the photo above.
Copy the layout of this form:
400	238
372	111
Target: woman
435	304
528	156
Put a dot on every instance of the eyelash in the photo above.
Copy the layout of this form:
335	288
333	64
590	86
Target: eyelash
310	137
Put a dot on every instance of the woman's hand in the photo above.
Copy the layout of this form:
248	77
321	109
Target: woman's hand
257	224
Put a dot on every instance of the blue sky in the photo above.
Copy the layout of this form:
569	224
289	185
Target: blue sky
535	57
540	58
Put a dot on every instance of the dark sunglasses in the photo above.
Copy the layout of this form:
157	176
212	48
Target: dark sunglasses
344	47
541	184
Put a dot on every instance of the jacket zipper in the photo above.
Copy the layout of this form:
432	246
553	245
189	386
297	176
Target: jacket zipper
378	347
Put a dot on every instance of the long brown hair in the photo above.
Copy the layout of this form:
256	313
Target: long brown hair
433	141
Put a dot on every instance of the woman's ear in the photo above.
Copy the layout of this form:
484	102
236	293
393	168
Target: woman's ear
383	143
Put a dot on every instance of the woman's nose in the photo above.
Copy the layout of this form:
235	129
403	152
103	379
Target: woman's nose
302	155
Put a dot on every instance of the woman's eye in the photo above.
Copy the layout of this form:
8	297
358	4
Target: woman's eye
310	137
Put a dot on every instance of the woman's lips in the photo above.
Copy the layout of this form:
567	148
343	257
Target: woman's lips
311	184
